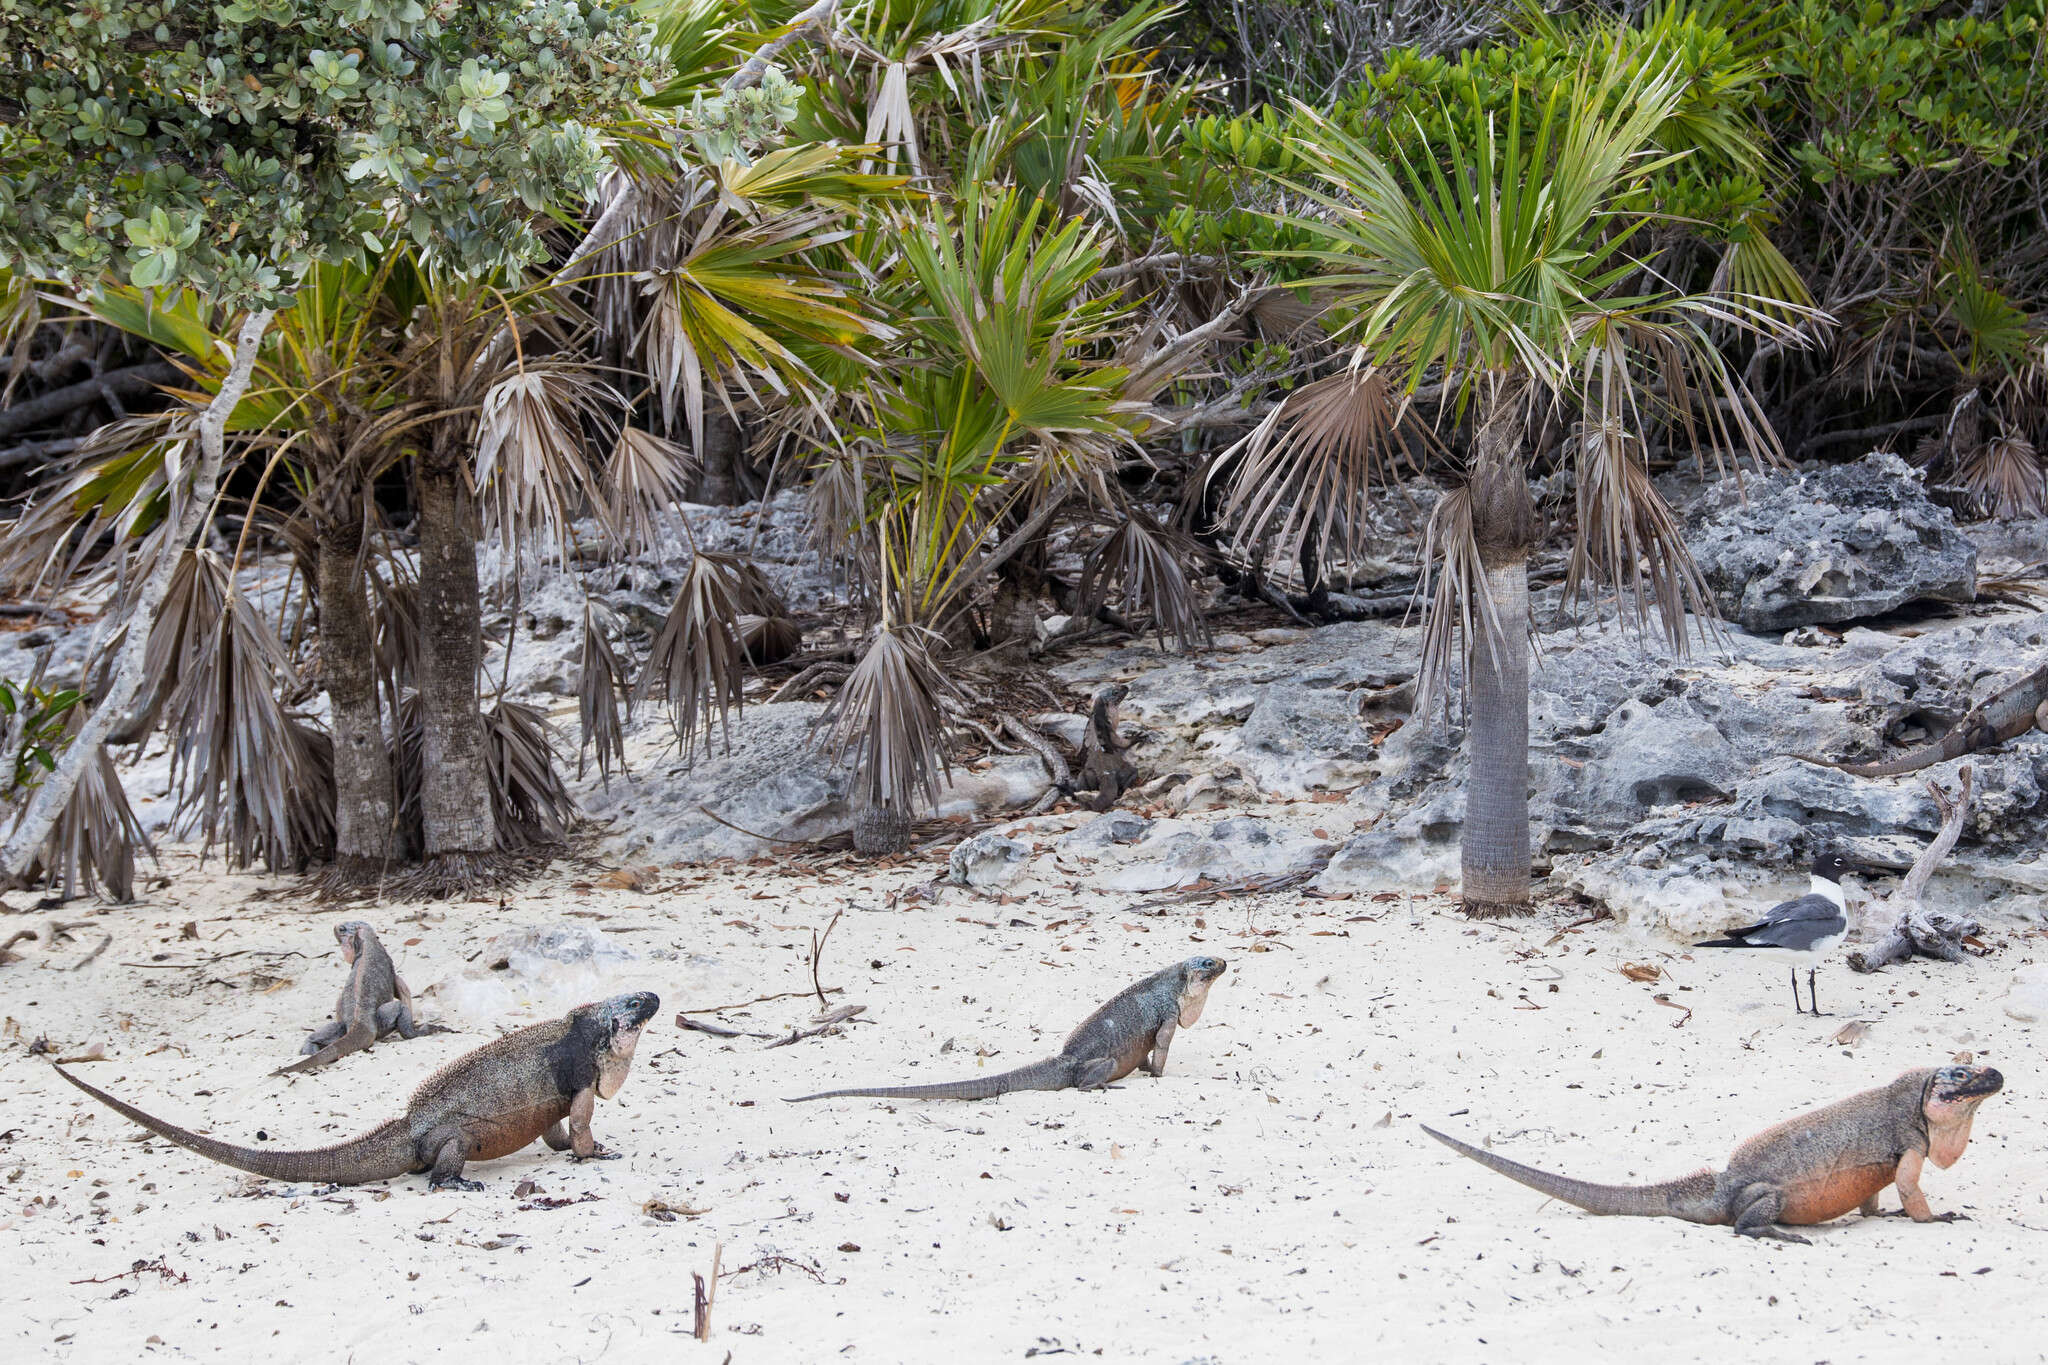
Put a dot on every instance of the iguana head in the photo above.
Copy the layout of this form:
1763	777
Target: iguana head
1197	974
1949	1105
620	1018
350	935
1957	1090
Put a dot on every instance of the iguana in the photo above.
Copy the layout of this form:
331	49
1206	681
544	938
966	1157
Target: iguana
1805	1170
1104	769
1135	1028
375	1002
2015	709
540	1082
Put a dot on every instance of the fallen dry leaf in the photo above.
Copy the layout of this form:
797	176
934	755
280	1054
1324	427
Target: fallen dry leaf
1641	971
1851	1033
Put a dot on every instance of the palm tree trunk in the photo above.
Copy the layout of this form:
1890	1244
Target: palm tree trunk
1494	851
364	834
725	443
455	797
879	830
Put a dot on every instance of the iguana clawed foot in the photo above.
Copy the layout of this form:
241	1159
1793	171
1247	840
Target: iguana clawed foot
597	1154
457	1183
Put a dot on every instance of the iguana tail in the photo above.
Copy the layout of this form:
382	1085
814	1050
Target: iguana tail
1682	1198
2020	707
382	1153
1054	1073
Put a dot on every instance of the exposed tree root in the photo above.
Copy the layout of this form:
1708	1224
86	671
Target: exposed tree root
1474	908
450	876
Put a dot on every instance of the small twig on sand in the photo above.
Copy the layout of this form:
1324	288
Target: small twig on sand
762	1000
827	1023
139	1269
705	1295
90	957
1251	886
716	1030
779	1263
818	954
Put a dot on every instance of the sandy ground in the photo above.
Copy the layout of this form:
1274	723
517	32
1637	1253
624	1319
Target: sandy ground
1271	1196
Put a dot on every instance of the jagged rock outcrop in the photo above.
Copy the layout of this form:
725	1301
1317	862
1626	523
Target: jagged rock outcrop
1843	543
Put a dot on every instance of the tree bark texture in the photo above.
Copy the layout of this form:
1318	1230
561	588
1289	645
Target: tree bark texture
725	442
1494	852
879	830
53	794
455	797
365	838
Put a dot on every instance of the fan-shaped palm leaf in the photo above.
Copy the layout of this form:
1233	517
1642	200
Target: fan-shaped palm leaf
698	663
887	719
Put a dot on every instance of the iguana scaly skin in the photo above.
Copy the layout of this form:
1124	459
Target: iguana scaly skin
541	1082
2011	713
375	1002
1805	1170
1134	1029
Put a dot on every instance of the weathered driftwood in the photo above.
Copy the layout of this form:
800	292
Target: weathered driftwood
1929	933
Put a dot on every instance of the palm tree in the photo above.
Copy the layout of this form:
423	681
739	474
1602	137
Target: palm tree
1498	265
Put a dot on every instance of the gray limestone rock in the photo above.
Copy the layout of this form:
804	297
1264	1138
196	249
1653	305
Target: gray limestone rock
1839	544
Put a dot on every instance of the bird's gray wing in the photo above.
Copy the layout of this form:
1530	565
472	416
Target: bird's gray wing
1799	923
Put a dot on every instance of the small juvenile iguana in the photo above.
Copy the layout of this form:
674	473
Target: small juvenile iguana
375	1002
1134	1029
1104	769
541	1082
1805	1170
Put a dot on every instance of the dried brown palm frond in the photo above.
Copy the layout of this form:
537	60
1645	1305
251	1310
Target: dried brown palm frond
697	663
768	639
602	679
92	846
1459	615
239	759
837	500
529	802
1310	465
644	478
751	588
2007	477
408	769
394	633
115	483
888	717
1629	538
310	808
1149	562
532	471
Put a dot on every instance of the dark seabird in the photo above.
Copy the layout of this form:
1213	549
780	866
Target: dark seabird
1811	926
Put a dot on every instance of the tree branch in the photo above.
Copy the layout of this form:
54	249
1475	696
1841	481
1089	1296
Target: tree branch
132	382
54	793
750	73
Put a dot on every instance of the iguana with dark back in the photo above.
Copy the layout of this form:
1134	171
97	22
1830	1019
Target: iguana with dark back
2015	709
375	1002
1135	1028
1805	1170
543	1082
1104	769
